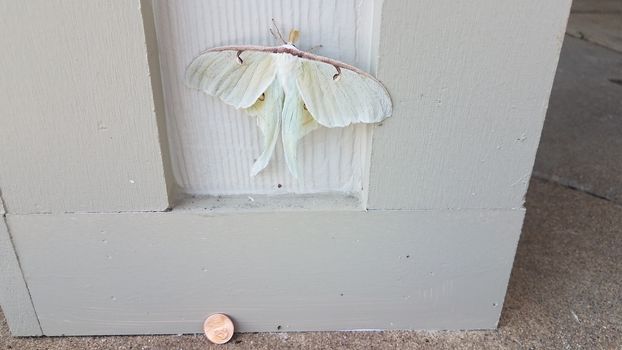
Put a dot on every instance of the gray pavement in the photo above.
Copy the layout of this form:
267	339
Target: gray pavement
581	144
597	21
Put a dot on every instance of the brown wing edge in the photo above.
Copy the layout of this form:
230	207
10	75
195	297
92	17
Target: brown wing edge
294	52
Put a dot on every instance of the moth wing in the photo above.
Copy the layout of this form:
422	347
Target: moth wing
268	111
219	73
297	122
355	97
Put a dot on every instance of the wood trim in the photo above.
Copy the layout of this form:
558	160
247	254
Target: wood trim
80	127
470	83
149	273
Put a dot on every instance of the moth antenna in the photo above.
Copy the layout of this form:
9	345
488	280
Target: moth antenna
337	76
238	58
278	31
273	35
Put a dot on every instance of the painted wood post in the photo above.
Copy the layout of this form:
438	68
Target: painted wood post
80	129
425	242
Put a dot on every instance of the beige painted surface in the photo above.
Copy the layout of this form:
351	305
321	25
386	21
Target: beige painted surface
79	131
143	273
470	83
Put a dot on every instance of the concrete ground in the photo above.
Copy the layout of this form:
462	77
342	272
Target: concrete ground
581	144
565	291
597	21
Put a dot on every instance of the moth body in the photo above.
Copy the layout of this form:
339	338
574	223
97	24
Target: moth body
287	67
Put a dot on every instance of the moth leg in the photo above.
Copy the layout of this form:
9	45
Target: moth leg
337	76
238	58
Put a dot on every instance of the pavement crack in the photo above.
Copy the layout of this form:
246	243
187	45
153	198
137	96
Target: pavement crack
575	188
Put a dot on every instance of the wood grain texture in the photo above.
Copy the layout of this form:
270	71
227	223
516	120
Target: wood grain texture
79	131
143	273
470	83
213	145
14	296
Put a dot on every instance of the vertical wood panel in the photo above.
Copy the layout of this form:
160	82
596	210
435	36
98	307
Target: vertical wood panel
79	129
470	83
213	145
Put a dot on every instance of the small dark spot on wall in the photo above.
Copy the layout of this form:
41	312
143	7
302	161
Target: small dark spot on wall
427	340
616	81
407	256
278	327
341	294
279	185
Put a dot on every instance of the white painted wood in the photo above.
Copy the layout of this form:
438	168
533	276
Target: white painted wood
14	296
470	83
79	132
213	145
143	273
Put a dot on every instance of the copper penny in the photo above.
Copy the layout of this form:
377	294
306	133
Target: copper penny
218	328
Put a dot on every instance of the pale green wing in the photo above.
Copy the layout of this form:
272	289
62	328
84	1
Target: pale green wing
297	122
238	80
268	111
338	95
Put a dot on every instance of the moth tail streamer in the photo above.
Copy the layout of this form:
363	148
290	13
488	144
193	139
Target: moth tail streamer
268	110
269	145
297	122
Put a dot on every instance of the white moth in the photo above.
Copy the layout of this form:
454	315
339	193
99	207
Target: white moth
290	91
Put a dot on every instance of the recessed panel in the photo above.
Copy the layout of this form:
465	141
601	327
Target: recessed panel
213	145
